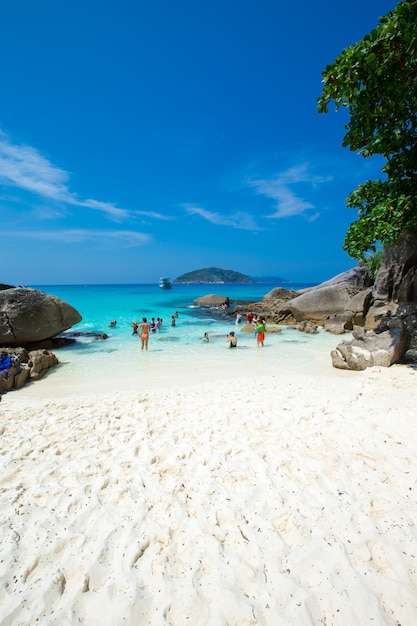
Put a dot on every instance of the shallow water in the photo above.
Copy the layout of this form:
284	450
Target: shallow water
176	355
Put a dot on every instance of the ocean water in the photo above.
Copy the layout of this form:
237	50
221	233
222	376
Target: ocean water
175	354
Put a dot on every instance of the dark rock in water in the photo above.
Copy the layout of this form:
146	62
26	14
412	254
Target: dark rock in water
50	344
212	300
29	315
73	334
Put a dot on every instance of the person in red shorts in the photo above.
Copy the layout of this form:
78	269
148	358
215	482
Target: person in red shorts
260	333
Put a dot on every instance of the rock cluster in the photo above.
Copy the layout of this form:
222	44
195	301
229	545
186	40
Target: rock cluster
18	366
369	348
30	320
382	313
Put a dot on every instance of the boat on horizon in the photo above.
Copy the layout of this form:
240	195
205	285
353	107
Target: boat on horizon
165	283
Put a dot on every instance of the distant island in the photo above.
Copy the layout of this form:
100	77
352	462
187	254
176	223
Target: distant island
213	275
218	276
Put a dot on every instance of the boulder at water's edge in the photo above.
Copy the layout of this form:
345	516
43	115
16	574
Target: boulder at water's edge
29	315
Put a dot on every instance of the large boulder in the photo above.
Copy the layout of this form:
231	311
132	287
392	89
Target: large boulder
354	314
340	302
358	277
279	294
318	304
29	315
345	298
369	348
211	300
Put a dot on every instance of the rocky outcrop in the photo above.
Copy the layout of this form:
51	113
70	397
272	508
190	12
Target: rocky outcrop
28	316
395	289
316	305
337	304
352	302
369	348
358	277
18	367
211	300
40	361
354	314
280	294
396	280
345	297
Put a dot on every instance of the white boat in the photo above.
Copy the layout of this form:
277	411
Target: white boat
165	283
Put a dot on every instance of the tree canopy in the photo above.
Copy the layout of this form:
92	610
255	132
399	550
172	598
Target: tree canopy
376	79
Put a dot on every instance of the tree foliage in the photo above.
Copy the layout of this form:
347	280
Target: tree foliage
376	79
373	262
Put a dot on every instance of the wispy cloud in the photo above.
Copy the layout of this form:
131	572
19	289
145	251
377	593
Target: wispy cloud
238	220
129	238
23	167
282	189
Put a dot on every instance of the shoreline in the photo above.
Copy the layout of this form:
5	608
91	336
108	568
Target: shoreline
118	364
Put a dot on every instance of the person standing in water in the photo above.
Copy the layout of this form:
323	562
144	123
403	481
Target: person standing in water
144	333
260	333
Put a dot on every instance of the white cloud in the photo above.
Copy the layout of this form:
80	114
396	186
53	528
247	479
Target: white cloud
23	167
239	220
280	188
128	238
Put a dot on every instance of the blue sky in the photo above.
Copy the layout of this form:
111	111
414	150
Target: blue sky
145	139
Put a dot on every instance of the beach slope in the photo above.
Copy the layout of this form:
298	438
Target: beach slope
288	500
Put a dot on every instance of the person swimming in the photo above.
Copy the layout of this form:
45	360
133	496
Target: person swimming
206	338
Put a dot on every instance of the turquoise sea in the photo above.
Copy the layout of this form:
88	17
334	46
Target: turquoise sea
176	352
100	304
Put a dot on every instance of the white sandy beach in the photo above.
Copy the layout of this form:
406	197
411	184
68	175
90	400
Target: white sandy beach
281	499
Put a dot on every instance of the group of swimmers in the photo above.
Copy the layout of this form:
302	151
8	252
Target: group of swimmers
154	325
231	339
259	322
145	328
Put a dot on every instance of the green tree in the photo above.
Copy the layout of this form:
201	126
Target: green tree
376	79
